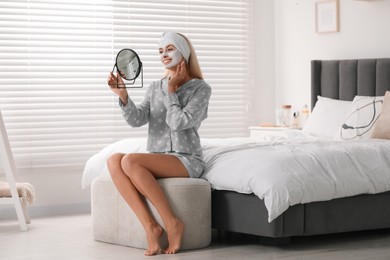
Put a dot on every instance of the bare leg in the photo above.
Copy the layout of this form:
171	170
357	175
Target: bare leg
143	169
133	198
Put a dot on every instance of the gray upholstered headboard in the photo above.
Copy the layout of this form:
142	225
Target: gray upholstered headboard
344	79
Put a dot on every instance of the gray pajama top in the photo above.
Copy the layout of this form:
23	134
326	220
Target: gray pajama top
174	119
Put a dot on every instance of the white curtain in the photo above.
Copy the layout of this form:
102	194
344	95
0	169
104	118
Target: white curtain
55	56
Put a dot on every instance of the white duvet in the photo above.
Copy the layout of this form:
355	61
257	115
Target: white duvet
281	171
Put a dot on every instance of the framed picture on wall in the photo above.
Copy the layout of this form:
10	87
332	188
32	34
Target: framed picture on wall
327	16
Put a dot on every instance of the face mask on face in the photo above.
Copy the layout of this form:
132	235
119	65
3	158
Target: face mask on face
175	56
171	38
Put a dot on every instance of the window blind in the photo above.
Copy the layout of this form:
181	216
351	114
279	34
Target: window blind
55	57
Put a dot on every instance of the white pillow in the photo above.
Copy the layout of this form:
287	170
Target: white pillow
382	125
360	119
327	117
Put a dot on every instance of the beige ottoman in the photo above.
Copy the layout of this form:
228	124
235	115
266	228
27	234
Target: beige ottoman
114	222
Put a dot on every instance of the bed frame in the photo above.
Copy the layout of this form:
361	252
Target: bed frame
243	213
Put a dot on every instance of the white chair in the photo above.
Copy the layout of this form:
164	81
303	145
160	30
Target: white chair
11	177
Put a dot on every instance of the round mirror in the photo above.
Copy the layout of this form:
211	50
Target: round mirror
128	64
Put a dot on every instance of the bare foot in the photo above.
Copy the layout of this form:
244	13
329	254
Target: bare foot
174	232
153	235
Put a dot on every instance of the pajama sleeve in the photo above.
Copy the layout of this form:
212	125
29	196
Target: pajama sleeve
136	115
181	118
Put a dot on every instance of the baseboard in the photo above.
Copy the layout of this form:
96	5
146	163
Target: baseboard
46	211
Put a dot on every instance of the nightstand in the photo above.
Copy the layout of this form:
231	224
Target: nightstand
260	131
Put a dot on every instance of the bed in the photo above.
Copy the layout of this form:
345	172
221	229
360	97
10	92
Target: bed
350	203
246	213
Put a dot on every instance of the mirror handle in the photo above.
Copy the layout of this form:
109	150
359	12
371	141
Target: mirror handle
113	68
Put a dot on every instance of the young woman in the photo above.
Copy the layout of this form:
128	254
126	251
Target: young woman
174	107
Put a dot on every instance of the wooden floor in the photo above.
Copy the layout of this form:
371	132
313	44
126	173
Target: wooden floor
70	237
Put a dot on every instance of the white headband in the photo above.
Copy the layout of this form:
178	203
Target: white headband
178	41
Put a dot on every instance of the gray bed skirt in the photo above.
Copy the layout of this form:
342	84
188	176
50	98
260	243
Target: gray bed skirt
246	213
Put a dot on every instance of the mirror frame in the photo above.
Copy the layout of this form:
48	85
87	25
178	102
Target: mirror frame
132	80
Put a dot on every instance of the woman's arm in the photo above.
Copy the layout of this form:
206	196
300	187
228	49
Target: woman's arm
114	82
135	115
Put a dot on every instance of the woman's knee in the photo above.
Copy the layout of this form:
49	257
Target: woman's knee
130	163
114	163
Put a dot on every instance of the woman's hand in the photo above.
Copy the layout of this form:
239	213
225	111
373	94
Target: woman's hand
117	86
178	78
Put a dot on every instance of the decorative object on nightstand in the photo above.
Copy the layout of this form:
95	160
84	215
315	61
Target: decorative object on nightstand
295	123
303	116
283	116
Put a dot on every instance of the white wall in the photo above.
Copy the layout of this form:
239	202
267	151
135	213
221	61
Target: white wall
264	60
363	34
56	193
